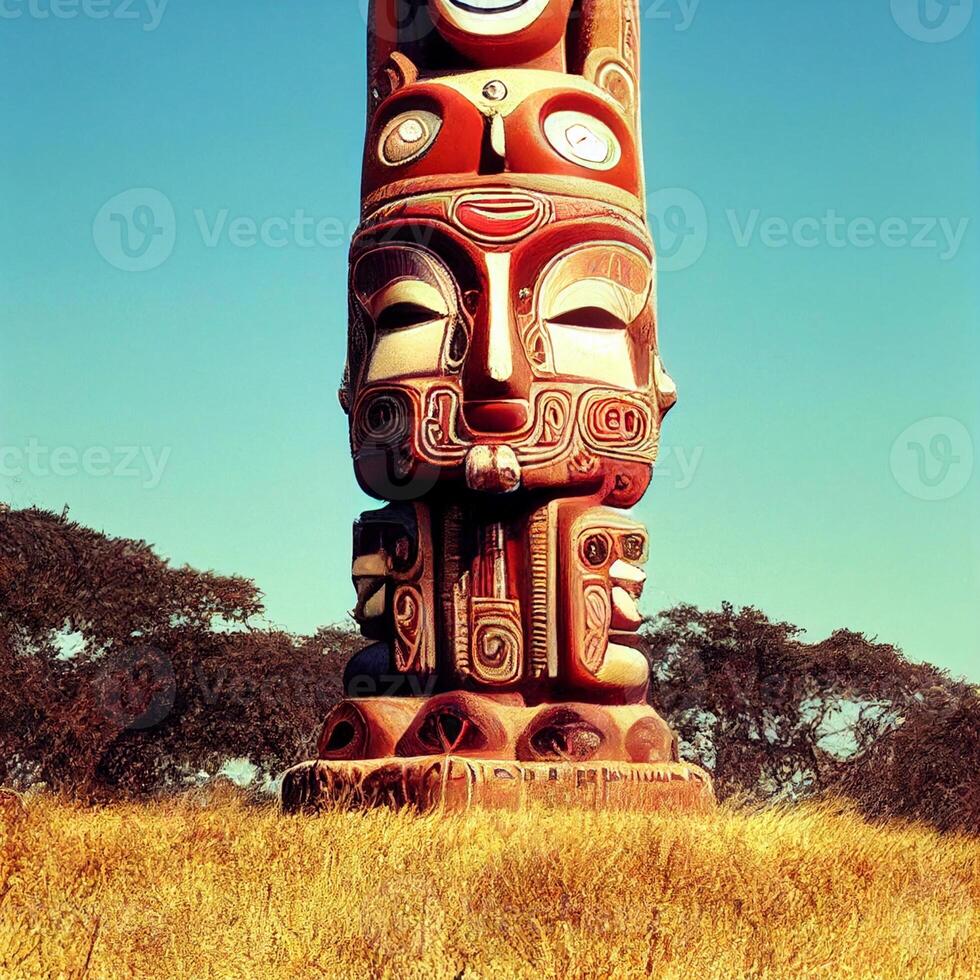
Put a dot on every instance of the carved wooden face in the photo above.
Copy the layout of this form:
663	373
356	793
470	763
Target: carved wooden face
506	319
602	567
502	32
536	128
502	307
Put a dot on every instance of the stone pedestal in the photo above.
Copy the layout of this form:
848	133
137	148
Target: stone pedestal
459	750
456	783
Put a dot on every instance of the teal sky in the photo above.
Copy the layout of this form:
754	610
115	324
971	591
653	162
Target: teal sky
814	171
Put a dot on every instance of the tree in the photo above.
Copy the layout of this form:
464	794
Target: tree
118	671
770	714
927	767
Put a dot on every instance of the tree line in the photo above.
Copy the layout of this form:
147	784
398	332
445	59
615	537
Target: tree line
120	674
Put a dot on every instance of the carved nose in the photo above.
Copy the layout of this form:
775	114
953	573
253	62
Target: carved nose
496	375
496	384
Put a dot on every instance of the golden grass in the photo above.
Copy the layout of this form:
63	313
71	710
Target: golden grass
219	888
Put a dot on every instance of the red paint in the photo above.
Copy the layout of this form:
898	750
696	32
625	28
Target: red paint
499	217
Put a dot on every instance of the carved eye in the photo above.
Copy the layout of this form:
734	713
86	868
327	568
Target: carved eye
634	547
488	6
583	139
590	317
400	316
408	136
595	550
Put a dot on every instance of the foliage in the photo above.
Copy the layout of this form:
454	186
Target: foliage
118	672
773	716
927	768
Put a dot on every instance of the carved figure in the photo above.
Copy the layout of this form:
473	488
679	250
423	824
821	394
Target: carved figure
506	395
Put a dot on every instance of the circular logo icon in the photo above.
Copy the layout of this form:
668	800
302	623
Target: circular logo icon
679	221
392	471
136	231
933	459
933	21
399	21
136	688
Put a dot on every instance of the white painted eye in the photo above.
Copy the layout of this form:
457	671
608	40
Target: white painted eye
408	136
586	145
583	139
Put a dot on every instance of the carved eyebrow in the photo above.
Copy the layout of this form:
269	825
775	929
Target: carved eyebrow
382	266
378	269
613	277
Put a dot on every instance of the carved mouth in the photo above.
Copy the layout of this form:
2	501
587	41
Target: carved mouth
489	6
502	416
499	216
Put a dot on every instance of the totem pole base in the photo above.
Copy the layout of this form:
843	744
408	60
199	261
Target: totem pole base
454	784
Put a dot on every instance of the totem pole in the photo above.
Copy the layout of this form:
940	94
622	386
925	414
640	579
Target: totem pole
505	394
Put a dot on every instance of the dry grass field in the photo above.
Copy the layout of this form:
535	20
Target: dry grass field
220	888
